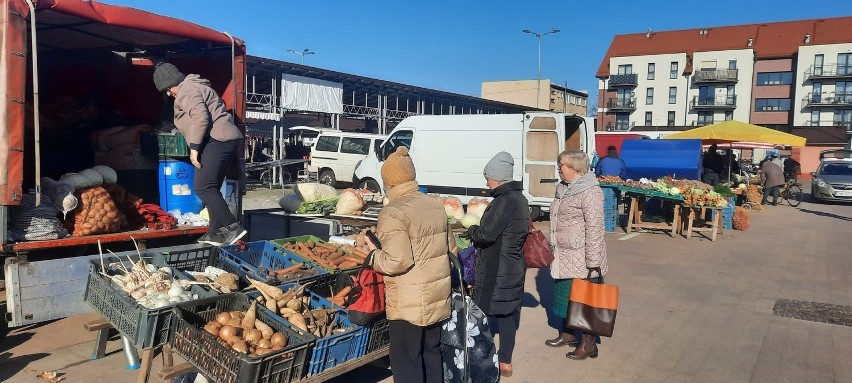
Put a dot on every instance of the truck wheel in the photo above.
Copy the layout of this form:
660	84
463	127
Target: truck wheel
535	213
327	177
370	185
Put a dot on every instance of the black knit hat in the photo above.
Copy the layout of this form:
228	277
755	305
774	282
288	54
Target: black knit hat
166	76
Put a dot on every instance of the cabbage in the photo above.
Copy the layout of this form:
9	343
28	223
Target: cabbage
469	220
309	192
477	206
453	208
674	191
350	202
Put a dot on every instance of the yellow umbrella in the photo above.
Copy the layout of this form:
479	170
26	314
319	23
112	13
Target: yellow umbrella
735	131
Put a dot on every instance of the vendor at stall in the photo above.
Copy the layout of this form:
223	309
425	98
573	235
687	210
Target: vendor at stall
201	116
713	164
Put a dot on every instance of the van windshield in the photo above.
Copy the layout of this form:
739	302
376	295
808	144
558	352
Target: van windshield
400	138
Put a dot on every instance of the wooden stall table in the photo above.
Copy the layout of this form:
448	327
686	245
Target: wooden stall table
715	226
634	217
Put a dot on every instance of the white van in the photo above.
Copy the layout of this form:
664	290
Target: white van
450	152
336	154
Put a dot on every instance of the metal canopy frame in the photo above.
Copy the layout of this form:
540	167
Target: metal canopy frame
363	97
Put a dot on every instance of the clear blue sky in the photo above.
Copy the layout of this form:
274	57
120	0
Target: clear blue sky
455	45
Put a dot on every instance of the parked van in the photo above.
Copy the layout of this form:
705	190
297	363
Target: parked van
335	154
450	152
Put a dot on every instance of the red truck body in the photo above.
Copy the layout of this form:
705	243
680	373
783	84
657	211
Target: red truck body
100	52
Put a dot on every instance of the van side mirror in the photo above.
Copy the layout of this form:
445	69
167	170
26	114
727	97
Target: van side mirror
813	174
380	154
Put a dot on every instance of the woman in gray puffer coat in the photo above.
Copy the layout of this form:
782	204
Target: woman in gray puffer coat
577	239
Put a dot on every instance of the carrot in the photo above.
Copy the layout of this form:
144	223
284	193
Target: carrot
303	247
352	250
326	246
333	256
343	292
294	267
348	265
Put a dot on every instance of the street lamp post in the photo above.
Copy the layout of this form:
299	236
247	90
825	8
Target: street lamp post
538	82
302	53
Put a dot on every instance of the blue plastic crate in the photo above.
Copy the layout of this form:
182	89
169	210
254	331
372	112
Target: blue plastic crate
727	214
610	209
255	259
332	350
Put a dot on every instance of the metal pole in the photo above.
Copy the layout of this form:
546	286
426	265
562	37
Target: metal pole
538	81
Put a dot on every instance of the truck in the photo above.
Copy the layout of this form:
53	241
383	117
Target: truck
71	68
450	152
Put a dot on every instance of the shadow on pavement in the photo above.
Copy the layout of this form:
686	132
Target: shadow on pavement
9	366
544	286
826	214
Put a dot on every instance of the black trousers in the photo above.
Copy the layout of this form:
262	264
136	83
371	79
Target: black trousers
507	327
415	352
215	158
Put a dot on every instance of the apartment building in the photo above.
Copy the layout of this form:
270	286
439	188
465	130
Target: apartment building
551	96
794	76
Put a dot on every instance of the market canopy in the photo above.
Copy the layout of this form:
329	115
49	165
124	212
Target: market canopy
736	131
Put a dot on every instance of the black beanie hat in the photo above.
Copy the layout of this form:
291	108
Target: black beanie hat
166	76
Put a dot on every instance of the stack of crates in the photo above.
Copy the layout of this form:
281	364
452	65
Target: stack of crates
727	214
610	209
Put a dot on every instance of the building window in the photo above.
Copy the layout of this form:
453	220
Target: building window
672	95
775	78
648	118
772	104
818	62
671	119
729	115
649	96
815	117
622	121
843	117
625	69
732	64
705	118
673	73
651	69
844	64
843	92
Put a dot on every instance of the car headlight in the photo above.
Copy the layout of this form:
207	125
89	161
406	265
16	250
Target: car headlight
820	183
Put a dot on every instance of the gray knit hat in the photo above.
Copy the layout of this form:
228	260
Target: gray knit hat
166	76
501	167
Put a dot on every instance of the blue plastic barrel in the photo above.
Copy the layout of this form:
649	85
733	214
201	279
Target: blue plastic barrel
176	190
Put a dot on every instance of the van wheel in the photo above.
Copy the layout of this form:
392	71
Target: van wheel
370	185
326	177
535	213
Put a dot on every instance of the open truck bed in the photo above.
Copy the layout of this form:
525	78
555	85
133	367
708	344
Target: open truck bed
100	56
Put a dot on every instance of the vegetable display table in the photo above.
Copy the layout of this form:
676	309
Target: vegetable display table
713	225
634	218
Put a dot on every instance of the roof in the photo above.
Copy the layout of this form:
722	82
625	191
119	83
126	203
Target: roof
83	16
770	40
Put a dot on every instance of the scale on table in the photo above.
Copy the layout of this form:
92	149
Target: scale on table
372	212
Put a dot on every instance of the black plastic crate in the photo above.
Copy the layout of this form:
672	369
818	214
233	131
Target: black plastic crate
146	328
224	365
379	337
187	258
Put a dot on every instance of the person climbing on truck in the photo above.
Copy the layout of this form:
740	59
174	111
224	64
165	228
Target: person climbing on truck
214	140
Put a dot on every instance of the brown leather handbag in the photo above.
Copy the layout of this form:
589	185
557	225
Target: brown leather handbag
537	253
592	306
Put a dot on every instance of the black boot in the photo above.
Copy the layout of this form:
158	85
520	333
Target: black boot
586	349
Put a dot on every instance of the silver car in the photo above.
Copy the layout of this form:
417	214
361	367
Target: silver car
833	179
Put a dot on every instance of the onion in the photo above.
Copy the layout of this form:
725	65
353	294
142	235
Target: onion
253	336
278	339
175	290
264	343
223	318
228	331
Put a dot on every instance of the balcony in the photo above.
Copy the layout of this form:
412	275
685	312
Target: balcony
709	103
716	76
622	126
829	72
847	124
621	105
827	99
629	80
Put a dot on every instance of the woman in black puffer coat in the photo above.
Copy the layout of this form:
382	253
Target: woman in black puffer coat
500	267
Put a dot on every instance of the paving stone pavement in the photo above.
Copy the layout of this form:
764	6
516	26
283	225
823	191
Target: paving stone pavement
690	311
